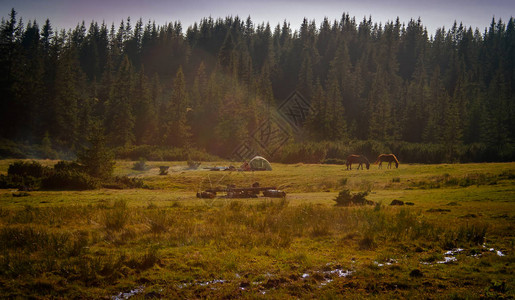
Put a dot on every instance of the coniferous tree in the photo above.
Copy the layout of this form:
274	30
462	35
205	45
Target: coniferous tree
67	100
177	130
364	81
120	115
145	117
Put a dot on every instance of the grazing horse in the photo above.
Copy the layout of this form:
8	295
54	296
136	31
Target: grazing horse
389	158
356	159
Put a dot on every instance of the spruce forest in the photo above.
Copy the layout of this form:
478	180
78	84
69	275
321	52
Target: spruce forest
436	97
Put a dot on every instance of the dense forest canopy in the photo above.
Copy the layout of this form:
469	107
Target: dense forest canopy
210	86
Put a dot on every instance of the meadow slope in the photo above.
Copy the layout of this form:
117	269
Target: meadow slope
455	241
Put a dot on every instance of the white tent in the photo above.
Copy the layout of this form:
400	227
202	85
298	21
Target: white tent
260	163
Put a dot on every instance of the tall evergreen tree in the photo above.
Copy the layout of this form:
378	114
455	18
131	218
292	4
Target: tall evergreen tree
177	131
120	115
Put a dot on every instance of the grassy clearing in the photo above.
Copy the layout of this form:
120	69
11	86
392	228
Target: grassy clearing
164	242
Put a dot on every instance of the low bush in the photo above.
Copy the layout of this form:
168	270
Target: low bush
345	198
124	182
27	169
68	166
19	182
140	165
69	180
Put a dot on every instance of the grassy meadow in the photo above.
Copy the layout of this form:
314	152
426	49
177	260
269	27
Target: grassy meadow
457	240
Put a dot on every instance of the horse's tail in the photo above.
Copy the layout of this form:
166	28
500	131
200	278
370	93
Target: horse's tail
378	160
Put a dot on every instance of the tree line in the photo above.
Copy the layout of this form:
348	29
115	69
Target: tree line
209	86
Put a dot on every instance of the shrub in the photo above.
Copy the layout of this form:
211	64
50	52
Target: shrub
345	198
69	180
19	182
140	165
98	161
26	169
68	166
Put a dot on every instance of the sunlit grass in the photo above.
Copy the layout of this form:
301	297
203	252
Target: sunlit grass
98	243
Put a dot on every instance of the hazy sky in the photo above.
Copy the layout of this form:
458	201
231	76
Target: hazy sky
433	13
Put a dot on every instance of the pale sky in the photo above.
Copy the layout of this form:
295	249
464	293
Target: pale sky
65	14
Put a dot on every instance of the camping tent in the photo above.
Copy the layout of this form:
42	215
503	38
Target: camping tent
260	163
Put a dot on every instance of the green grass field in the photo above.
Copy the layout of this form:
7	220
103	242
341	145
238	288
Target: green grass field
163	242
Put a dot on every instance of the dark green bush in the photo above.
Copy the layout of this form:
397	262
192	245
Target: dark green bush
345	198
140	165
19	182
97	159
66	166
124	182
26	169
24	175
69	180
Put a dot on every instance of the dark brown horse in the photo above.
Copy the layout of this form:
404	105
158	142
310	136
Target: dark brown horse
389	158
356	159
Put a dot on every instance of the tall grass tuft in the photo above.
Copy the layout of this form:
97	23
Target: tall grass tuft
158	221
116	218
474	234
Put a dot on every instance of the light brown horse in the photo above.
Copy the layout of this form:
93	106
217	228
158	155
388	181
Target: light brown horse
357	159
389	158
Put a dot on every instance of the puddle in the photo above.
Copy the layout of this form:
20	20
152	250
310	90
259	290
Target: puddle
215	281
201	283
123	296
454	251
447	260
498	252
340	272
388	262
449	256
327	275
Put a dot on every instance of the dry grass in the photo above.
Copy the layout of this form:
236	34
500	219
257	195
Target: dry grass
166	243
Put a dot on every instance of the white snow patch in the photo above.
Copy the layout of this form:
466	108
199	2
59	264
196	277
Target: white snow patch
341	273
447	259
124	296
388	262
212	282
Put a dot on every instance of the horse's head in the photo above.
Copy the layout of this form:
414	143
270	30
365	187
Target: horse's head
396	165
368	165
